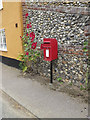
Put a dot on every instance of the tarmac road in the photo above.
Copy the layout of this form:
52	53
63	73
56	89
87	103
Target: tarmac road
10	109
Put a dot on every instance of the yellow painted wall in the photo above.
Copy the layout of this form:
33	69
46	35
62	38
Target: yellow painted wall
12	14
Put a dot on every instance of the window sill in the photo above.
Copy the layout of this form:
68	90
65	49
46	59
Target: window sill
1	9
3	50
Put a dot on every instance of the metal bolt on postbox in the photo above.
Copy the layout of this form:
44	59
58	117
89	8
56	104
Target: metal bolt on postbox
50	50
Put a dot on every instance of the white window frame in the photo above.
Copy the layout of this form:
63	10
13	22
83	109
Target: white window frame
3	46
1	5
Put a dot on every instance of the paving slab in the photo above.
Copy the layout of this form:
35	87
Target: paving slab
38	99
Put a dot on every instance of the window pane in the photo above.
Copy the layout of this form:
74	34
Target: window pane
0	39
0	4
0	32
0	36
4	40
0	46
4	46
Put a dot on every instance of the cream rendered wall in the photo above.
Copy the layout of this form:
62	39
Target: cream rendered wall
10	15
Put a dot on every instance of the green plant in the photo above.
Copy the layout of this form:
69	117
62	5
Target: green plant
86	82
86	78
85	46
60	80
71	83
85	49
29	44
82	87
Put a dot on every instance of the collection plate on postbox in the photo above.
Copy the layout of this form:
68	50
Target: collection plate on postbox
50	49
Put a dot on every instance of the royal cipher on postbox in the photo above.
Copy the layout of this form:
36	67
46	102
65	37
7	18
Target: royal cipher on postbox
50	49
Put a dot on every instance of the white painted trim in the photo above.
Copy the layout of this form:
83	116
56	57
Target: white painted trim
5	50
1	5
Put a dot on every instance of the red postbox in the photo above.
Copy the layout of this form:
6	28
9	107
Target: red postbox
50	49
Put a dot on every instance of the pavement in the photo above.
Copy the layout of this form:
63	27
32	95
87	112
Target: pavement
38	99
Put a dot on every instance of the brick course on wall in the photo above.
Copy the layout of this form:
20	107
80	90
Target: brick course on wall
65	22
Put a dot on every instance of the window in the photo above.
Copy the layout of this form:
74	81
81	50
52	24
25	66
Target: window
3	46
1	4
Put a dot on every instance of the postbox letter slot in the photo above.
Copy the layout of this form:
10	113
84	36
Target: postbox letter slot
46	42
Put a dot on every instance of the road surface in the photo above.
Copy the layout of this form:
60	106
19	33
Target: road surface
11	109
